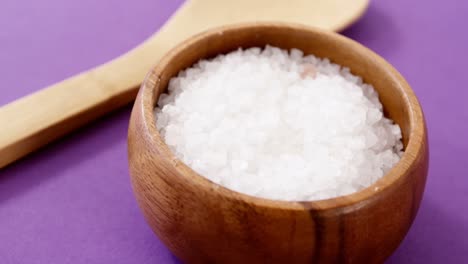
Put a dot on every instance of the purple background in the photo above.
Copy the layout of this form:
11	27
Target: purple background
72	202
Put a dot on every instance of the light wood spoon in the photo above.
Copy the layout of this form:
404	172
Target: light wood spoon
39	118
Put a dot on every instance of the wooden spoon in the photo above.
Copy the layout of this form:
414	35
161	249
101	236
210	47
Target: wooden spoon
39	118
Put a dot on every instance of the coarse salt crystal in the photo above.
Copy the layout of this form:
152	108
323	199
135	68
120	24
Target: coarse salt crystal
278	125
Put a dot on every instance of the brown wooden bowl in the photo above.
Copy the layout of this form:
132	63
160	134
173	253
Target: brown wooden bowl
202	222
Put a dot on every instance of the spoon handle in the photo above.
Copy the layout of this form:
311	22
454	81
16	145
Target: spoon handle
37	119
44	116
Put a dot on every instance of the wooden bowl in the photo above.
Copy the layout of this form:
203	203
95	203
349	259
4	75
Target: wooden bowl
202	222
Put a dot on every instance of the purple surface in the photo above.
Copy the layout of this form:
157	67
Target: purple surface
72	202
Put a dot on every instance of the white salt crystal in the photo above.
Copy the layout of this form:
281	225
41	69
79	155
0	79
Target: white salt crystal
278	125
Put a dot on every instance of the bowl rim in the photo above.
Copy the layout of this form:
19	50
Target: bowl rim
414	149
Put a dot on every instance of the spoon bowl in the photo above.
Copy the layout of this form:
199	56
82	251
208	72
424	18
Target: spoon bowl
202	222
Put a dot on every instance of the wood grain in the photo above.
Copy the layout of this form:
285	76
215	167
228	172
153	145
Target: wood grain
202	222
40	118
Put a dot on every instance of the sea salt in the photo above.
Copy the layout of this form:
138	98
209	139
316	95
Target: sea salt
277	124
